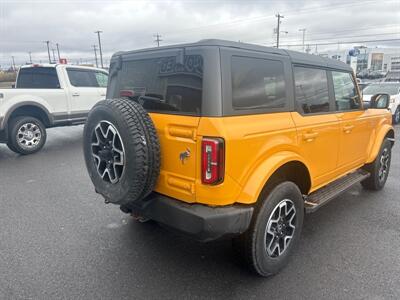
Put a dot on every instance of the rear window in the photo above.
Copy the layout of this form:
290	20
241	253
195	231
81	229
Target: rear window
38	78
163	85
87	78
257	83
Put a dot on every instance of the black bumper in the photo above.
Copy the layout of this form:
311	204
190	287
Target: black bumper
204	223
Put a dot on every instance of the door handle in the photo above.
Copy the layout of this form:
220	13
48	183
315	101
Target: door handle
75	94
348	128
310	136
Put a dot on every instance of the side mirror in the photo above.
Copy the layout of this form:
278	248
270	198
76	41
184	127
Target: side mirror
380	101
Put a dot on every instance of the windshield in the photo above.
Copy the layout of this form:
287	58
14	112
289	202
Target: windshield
373	89
163	85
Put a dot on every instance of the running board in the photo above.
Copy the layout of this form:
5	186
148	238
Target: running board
322	196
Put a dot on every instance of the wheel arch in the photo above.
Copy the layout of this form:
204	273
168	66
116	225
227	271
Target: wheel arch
386	131
28	108
280	167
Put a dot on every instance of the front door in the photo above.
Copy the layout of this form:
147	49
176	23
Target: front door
354	122
318	128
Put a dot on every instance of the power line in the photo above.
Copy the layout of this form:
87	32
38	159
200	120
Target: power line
345	42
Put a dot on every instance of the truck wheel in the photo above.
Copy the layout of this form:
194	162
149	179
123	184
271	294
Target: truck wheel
27	135
396	116
274	231
379	168
122	151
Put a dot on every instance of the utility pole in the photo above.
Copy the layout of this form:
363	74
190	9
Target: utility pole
158	40
13	62
304	36
101	53
30	56
48	50
54	55
58	51
279	16
95	55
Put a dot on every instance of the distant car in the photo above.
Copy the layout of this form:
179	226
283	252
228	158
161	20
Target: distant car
391	88
45	96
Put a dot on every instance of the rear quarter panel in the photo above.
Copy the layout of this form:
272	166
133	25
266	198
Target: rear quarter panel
256	145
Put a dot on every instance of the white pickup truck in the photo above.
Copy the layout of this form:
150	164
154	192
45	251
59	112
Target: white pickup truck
45	96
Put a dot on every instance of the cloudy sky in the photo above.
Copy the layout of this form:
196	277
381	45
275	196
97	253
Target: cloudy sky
126	25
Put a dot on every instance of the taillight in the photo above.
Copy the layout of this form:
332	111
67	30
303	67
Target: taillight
126	93
212	160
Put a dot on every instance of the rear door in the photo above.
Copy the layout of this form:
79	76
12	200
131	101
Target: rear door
355	129
46	81
317	126
169	85
87	87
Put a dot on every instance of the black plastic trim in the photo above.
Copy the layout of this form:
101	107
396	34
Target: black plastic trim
201	222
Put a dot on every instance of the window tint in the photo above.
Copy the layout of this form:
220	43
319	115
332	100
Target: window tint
346	96
87	78
38	78
164	85
311	90
257	83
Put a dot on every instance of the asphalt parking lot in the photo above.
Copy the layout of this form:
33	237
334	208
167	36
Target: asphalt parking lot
59	240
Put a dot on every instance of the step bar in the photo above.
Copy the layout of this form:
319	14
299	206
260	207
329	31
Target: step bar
322	196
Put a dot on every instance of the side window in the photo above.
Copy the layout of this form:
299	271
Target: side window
86	78
311	89
38	78
346	96
101	78
257	83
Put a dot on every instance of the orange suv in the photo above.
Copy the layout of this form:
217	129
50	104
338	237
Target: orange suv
224	139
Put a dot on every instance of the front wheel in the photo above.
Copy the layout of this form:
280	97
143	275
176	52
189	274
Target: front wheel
396	116
27	135
275	230
379	168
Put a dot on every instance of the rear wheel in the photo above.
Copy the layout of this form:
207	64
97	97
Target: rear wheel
275	230
27	135
379	168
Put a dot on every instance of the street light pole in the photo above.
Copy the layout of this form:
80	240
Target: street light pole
279	16
304	36
101	53
48	50
30	56
13	61
58	52
95	55
54	55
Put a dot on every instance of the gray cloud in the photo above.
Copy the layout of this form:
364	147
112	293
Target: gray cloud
126	25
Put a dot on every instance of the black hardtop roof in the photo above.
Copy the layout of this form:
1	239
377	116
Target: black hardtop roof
295	56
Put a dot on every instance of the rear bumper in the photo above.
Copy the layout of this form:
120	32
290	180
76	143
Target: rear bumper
204	223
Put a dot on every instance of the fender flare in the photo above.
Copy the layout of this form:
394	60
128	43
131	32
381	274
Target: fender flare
379	137
259	177
21	104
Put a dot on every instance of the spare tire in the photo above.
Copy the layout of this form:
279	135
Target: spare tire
122	151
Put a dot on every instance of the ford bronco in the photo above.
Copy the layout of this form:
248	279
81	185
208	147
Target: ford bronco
224	139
